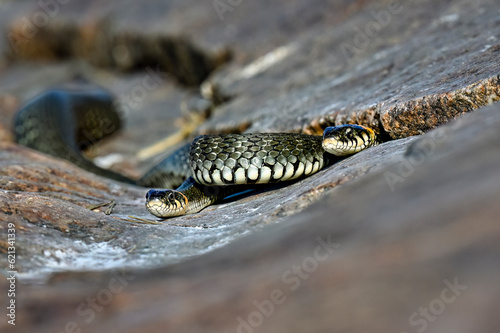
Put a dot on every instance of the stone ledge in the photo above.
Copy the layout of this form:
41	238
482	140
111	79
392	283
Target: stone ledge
396	249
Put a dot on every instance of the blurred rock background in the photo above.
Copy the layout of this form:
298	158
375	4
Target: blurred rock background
403	237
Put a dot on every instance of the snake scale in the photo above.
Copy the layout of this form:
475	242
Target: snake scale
63	122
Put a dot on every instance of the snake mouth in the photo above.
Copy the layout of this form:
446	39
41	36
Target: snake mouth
347	139
166	203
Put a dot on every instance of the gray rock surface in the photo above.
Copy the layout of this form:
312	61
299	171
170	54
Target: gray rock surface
387	66
51	198
409	217
368	256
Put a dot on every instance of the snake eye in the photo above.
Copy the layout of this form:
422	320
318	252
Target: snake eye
171	196
347	139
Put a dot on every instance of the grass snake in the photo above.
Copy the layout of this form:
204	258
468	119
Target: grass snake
63	122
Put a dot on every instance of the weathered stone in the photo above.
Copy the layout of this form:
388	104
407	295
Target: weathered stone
367	55
366	257
129	35
428	55
418	116
43	193
238	25
407	215
63	38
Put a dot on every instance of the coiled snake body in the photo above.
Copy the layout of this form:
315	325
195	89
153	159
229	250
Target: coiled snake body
62	122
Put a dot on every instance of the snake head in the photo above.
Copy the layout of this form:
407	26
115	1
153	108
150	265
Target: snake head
166	203
347	139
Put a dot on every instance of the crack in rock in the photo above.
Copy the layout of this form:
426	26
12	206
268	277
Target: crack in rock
104	47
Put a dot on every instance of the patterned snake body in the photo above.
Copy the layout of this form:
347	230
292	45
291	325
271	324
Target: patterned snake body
62	122
259	158
217	161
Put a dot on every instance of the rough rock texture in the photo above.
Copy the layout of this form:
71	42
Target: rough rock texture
385	62
409	218
370	254
108	34
51	198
